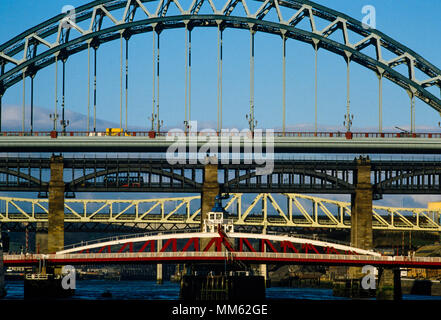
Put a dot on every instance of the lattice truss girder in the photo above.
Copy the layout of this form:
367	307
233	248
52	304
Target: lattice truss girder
37	47
107	211
262	210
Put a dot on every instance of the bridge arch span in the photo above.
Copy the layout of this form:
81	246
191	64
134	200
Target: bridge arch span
312	174
20	56
233	235
400	178
174	178
20	175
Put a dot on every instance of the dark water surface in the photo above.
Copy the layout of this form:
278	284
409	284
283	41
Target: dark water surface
149	290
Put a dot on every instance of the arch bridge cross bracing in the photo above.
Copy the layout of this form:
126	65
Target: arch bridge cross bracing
42	45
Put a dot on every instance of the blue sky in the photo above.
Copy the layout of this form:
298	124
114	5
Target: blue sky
416	24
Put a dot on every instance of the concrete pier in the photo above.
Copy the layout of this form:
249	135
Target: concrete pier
56	206
49	238
159	271
41	237
389	284
263	269
361	207
361	220
210	187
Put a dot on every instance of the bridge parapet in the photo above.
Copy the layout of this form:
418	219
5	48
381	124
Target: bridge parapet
250	257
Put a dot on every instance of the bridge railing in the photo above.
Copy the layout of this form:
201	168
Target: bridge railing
152	134
227	255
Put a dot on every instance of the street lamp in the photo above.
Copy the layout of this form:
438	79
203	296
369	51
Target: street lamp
54	118
187	125
251	122
348	121
64	124
159	123
153	119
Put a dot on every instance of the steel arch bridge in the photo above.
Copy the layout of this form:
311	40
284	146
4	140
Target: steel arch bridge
100	21
265	210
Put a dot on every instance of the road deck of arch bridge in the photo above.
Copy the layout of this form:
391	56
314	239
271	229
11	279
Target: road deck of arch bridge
273	249
300	143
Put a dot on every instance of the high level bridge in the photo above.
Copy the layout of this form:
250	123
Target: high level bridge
137	174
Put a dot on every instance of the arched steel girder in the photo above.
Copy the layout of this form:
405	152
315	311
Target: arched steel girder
116	241
36	36
155	172
403	177
309	173
23	176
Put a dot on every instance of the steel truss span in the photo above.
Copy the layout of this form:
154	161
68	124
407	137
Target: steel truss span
26	54
157	175
275	211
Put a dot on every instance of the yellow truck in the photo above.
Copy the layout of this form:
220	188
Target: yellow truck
116	132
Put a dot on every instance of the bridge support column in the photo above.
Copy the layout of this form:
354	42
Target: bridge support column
56	207
361	224
361	212
210	187
263	270
41	237
361	206
263	267
389	284
159	272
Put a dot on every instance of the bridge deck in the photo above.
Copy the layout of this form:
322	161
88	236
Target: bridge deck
249	257
362	143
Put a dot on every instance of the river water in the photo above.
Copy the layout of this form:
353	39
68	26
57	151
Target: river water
149	290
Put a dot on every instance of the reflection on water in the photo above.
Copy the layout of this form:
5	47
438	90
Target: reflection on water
301	293
149	290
